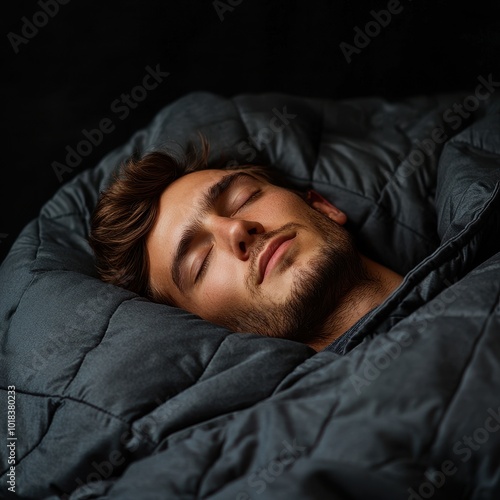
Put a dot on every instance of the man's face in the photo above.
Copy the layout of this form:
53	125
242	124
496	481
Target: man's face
243	253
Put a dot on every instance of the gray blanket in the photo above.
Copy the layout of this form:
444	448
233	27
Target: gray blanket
117	397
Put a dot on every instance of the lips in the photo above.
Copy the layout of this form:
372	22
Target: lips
271	255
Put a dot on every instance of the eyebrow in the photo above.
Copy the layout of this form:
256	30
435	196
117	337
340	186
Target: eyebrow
209	200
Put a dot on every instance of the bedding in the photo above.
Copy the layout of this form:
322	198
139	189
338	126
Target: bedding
113	396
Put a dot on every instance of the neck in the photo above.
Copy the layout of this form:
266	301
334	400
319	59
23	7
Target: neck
360	300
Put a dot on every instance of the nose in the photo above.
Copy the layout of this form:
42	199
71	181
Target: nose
236	235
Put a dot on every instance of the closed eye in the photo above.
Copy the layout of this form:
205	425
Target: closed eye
254	196
204	266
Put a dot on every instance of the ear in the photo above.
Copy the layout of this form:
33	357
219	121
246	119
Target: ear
316	201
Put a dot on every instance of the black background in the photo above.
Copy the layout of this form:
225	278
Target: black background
66	77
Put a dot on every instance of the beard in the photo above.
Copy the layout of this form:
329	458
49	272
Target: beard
317	292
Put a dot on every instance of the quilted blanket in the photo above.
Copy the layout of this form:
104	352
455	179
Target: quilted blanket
105	394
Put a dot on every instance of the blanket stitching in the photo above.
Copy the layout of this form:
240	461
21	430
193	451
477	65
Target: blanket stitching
62	400
28	452
240	116
432	263
211	359
475	149
33	277
382	194
329	184
69	398
93	347
319	141
60	216
464	372
211	465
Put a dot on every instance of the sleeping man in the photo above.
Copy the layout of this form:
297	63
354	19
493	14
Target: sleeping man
237	248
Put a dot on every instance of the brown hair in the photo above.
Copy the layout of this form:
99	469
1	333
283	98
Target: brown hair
128	208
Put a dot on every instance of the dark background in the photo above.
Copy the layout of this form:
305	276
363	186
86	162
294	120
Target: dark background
66	76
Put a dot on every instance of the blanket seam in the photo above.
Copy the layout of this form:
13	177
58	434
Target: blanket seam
20	459
211	359
430	264
33	277
464	371
475	149
68	398
62	400
320	139
60	216
96	345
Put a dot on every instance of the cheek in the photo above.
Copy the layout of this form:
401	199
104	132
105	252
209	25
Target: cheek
222	288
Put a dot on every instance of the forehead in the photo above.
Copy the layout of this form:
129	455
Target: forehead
179	200
183	192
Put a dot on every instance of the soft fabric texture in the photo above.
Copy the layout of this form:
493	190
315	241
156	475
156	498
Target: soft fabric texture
119	397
